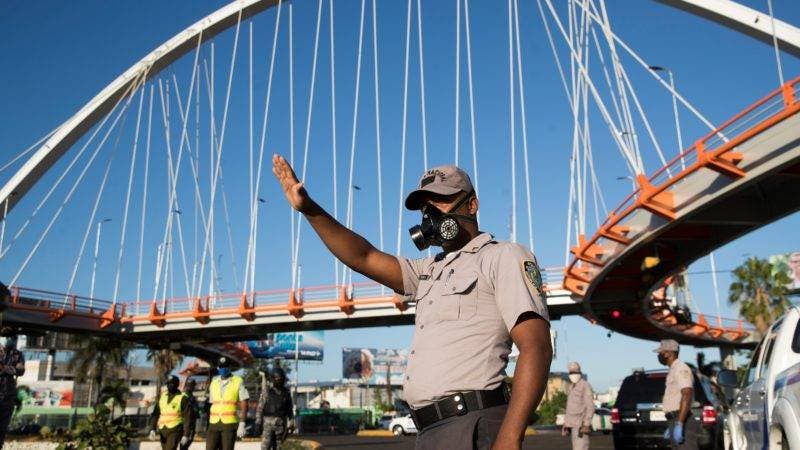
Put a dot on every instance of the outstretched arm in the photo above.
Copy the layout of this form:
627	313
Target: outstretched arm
352	249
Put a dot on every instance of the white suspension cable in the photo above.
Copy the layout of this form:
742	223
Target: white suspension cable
78	180
404	135
128	198
646	122
616	134
714	282
775	43
523	116
333	134
422	86
471	99
90	224
217	162
458	78
353	129
253	245
511	101
293	218
666	85
28	150
144	201
377	121
296	243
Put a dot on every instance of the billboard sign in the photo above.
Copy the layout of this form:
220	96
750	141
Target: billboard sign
374	366
310	346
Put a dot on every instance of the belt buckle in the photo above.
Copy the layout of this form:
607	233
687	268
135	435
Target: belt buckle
461	403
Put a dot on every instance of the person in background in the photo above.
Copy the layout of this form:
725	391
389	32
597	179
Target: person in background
193	412
171	416
580	409
682	429
274	411
228	398
12	365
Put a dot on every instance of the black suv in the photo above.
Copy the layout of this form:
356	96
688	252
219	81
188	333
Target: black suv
638	420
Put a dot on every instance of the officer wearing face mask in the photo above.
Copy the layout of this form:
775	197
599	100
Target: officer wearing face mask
274	411
473	299
228	398
580	409
12	365
193	413
682	429
171	416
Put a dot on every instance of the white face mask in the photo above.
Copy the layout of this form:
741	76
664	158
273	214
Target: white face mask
575	377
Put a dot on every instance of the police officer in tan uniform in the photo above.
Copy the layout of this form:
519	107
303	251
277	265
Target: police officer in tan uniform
473	300
682	428
580	409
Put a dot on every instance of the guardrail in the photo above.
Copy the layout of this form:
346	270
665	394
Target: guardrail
715	151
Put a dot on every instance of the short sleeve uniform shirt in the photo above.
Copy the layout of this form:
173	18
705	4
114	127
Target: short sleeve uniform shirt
467	302
679	377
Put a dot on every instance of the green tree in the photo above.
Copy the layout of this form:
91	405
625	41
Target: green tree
96	358
115	392
759	291
98	431
164	362
550	408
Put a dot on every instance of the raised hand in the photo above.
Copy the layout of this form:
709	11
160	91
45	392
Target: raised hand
293	188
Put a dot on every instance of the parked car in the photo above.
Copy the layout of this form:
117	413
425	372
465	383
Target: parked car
403	425
601	420
639	421
385	421
766	410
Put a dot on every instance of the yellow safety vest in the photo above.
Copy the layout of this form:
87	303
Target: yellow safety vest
170	411
223	402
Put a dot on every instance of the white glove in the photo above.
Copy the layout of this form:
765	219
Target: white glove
184	440
153	435
240	430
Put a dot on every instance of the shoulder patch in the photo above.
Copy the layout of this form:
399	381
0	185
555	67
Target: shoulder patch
532	274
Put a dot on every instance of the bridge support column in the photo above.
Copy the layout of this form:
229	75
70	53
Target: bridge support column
726	356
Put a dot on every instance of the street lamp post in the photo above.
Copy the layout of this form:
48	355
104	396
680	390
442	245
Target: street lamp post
674	109
99	228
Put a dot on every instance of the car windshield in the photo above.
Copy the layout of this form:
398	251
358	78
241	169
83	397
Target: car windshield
641	388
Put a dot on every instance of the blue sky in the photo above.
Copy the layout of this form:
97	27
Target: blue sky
56	56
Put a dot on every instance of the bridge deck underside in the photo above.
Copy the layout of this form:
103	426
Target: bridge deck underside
715	210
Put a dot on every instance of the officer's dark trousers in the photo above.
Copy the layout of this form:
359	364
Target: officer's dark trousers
221	436
6	411
475	430
170	437
690	432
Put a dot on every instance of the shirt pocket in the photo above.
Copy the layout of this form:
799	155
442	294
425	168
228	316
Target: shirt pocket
423	289
459	298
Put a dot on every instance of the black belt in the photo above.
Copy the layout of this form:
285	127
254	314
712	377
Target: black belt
459	404
674	415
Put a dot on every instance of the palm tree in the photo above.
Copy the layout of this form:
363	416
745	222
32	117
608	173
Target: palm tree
164	362
94	358
760	292
115	391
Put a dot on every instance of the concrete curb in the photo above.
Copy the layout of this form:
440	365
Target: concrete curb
375	433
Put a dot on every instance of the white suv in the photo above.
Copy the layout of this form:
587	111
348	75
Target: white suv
403	425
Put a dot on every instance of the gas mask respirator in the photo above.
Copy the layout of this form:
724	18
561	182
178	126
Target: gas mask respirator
438	227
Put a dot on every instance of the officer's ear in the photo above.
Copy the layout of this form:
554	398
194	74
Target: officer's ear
472	205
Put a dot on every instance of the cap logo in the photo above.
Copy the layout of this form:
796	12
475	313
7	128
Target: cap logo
427	180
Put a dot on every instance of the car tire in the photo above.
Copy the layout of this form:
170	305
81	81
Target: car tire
397	430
